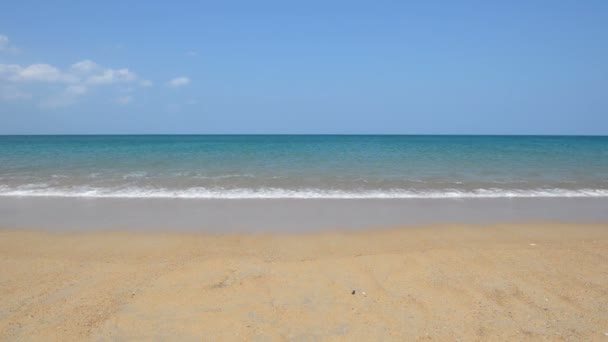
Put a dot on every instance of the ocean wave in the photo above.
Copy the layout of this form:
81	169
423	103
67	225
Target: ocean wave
279	193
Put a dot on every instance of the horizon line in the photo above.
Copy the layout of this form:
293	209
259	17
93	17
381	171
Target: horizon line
305	134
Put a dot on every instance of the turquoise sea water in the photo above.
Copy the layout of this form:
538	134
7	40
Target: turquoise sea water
303	166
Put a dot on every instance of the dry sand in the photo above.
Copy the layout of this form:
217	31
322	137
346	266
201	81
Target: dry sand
508	282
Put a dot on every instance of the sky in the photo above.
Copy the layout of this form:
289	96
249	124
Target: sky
297	67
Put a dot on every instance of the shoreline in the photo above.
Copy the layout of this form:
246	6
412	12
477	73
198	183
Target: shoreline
288	215
502	281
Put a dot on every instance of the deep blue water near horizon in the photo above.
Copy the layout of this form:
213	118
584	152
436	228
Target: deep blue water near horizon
303	166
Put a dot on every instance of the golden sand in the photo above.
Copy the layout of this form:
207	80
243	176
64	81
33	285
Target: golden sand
507	282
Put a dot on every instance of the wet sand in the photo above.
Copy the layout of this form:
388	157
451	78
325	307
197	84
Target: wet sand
288	215
449	282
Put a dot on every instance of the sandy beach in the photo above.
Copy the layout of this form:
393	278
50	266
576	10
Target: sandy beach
500	282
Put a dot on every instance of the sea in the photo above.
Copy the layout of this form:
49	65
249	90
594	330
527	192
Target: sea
301	168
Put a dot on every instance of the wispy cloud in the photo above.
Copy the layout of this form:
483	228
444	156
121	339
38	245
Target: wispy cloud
111	76
84	72
178	82
79	78
85	67
52	86
6	46
35	73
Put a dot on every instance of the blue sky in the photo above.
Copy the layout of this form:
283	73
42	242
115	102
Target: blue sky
469	67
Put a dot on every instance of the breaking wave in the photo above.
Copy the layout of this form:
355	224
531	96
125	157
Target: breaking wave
281	193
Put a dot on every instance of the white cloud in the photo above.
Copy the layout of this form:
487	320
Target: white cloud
85	72
6	46
124	100
110	76
178	82
45	73
54	86
34	73
85	67
80	78
192	53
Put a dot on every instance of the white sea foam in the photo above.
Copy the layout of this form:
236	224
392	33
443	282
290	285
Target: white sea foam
137	174
224	176
279	193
